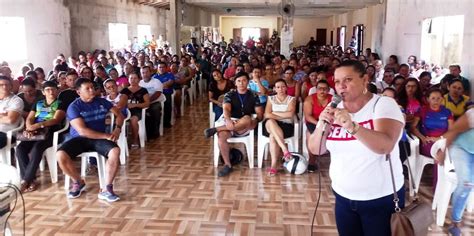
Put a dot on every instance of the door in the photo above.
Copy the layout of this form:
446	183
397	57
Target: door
332	38
237	32
321	37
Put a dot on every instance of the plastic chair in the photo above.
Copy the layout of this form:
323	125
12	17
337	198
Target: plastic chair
248	141
447	182
5	152
142	129
122	140
50	154
183	98
202	86
420	161
212	115
193	91
100	167
264	141
304	145
173	115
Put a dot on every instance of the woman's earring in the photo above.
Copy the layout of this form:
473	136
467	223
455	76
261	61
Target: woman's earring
365	91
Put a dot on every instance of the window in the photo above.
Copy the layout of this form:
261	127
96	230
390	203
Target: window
142	32
342	37
442	40
13	43
118	36
250	32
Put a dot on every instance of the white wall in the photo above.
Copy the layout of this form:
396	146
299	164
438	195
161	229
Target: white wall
90	19
402	32
304	28
47	26
228	23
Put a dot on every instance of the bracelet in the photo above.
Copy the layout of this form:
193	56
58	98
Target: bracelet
355	128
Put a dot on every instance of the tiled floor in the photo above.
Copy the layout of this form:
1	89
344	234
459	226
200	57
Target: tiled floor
172	188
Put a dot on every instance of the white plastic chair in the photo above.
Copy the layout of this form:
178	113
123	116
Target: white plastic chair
420	161
162	115
263	141
122	140
212	115
142	129
173	115
304	144
5	152
183	98
50	154
100	167
202	86
248	141
446	184
193	90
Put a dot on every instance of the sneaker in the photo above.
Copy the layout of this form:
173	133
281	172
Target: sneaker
225	171
108	196
454	230
312	168
76	190
209	132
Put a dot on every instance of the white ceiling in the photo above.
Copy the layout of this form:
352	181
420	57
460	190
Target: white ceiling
306	8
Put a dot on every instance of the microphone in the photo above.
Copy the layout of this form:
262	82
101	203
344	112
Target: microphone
336	99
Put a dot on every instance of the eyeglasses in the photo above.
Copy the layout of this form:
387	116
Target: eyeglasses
322	88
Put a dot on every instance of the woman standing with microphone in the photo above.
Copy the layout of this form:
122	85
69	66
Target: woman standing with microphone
359	132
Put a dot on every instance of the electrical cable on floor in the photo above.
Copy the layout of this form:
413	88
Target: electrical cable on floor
318	163
17	190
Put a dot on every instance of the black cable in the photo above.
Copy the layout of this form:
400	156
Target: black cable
16	190
319	181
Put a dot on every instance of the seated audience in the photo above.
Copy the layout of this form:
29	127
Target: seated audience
455	71
87	118
44	118
313	106
455	100
410	99
218	87
11	108
239	106
30	95
138	99
259	85
155	92
278	124
167	79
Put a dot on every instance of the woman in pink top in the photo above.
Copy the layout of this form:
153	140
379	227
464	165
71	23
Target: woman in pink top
410	98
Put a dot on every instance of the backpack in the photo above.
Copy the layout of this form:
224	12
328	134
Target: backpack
235	155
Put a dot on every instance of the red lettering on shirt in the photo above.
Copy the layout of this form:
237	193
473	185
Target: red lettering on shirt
340	134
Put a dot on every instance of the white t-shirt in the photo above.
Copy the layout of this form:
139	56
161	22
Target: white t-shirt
153	86
357	173
11	103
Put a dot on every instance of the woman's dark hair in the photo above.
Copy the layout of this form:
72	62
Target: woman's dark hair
403	96
375	56
425	73
107	81
434	90
356	65
216	70
394	57
414	58
372	88
28	81
32	74
39	69
281	81
290	68
397	78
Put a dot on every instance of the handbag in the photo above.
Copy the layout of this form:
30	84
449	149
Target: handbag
413	220
38	135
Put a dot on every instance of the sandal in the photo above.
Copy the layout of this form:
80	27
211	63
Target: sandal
287	156
23	186
32	187
272	172
135	146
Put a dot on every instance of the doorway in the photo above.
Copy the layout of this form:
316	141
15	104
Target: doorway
321	37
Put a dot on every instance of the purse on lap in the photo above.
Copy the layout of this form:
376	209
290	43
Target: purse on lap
39	135
413	220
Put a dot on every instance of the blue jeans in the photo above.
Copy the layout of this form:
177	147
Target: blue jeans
464	165
217	111
372	217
